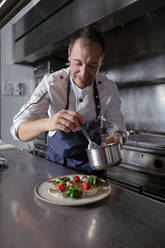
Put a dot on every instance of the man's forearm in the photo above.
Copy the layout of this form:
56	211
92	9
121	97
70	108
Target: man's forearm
29	130
64	120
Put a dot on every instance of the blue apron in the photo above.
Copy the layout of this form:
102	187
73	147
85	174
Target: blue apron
69	149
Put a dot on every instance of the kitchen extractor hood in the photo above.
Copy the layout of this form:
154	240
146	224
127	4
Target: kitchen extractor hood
9	8
45	30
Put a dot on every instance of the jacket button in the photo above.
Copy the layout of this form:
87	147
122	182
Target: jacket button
80	100
99	82
61	77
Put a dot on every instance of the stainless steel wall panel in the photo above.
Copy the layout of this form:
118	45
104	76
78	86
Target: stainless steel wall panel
144	107
140	71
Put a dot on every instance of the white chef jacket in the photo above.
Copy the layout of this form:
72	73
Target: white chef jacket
50	96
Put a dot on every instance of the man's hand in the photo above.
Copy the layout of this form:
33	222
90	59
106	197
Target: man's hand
114	138
65	120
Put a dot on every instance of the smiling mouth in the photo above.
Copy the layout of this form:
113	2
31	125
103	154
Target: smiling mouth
83	80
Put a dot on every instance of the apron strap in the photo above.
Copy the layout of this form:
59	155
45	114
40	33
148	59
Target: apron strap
95	94
68	93
97	100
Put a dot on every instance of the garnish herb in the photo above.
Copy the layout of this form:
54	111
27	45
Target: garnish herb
74	192
60	180
94	180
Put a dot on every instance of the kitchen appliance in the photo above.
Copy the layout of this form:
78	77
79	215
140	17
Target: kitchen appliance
47	27
8	9
143	165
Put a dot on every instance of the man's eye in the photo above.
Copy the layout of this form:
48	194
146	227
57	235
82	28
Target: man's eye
93	66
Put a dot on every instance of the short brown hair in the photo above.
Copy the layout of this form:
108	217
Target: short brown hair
89	35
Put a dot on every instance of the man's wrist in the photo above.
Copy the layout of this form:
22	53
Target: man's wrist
123	135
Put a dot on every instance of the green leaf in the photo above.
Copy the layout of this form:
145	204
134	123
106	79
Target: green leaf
94	180
74	192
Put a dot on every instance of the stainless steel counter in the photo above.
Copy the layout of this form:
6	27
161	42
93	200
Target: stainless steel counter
124	220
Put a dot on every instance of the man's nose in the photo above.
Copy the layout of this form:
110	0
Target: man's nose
84	71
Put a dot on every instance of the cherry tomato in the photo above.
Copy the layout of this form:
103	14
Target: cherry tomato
60	187
86	186
76	179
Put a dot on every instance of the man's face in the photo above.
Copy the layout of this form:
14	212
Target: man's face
85	61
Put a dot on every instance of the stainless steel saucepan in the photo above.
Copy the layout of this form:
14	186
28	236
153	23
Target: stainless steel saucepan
104	156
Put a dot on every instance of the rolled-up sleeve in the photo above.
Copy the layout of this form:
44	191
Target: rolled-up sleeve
34	109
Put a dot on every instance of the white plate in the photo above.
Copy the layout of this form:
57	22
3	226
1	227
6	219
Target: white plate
41	191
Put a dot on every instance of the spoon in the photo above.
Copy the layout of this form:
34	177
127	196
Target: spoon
91	144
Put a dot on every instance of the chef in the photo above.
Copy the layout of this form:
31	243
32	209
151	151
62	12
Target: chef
75	96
